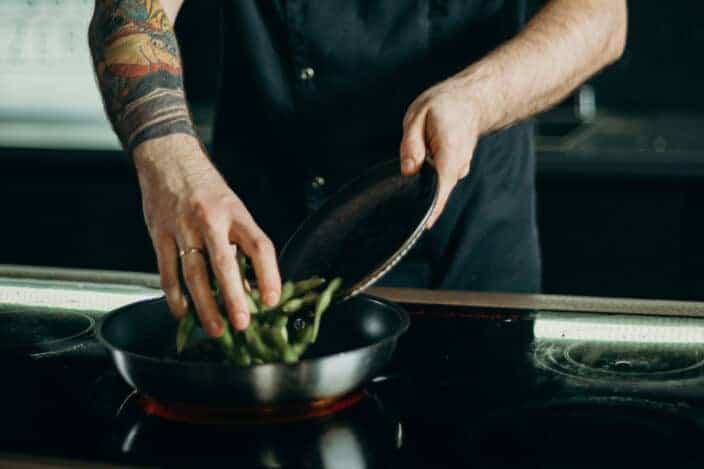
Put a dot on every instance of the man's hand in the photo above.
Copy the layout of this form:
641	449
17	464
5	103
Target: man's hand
187	205
445	123
563	45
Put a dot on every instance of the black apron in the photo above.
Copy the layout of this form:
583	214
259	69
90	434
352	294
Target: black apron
313	92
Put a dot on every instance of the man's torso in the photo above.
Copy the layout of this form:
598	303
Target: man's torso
314	92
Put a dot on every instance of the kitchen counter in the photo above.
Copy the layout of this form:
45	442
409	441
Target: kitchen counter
100	291
655	145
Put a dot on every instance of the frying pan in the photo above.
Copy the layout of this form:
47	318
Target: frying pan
357	338
360	233
364	229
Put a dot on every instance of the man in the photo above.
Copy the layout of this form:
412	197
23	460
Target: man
315	91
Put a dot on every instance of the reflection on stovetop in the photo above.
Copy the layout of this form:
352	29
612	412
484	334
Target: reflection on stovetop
468	387
362	437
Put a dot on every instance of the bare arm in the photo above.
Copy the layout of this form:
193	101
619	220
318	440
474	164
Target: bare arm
137	61
188	207
564	44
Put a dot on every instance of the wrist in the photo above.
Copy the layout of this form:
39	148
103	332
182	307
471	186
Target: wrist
180	147
478	87
170	160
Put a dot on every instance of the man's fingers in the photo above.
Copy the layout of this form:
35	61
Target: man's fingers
447	161
445	186
224	264
257	246
196	276
412	149
167	260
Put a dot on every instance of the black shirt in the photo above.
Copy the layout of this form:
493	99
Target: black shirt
315	91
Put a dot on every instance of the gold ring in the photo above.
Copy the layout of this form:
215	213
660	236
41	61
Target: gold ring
187	251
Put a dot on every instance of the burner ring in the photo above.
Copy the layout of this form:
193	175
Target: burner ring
635	360
619	363
38	333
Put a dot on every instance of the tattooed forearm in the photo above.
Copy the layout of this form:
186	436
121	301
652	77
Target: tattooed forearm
138	65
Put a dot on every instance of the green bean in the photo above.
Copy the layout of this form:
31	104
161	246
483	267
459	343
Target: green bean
304	286
323	304
257	347
255	295
251	303
267	338
242	264
185	329
298	348
290	354
295	304
227	342
280	323
287	290
278	336
305	335
240	356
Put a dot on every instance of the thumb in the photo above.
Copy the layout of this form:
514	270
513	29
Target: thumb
412	150
446	182
448	161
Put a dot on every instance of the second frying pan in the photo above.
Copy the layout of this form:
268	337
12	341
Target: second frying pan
364	229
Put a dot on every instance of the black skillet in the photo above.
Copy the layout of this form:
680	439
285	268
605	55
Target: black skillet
358	234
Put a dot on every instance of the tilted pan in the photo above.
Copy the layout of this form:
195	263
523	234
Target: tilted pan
358	234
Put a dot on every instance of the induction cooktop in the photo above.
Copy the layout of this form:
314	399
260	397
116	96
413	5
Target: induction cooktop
468	387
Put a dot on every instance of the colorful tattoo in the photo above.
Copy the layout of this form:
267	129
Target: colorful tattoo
137	61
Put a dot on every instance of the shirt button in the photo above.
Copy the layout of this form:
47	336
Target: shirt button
318	182
307	73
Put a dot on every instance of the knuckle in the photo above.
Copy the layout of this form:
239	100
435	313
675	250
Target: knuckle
201	210
157	235
262	245
231	205
222	260
160	238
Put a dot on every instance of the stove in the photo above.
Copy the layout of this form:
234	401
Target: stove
469	386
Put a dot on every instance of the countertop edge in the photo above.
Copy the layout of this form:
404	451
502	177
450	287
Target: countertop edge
404	295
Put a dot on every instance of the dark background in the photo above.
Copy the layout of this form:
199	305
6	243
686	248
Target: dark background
619	197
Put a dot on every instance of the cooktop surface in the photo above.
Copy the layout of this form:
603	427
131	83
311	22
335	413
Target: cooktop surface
468	387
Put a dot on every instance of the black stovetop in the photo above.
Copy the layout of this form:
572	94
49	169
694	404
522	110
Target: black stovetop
468	387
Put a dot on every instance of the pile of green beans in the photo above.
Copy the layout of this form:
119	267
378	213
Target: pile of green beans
275	334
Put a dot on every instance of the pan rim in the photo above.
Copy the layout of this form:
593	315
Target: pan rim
403	314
